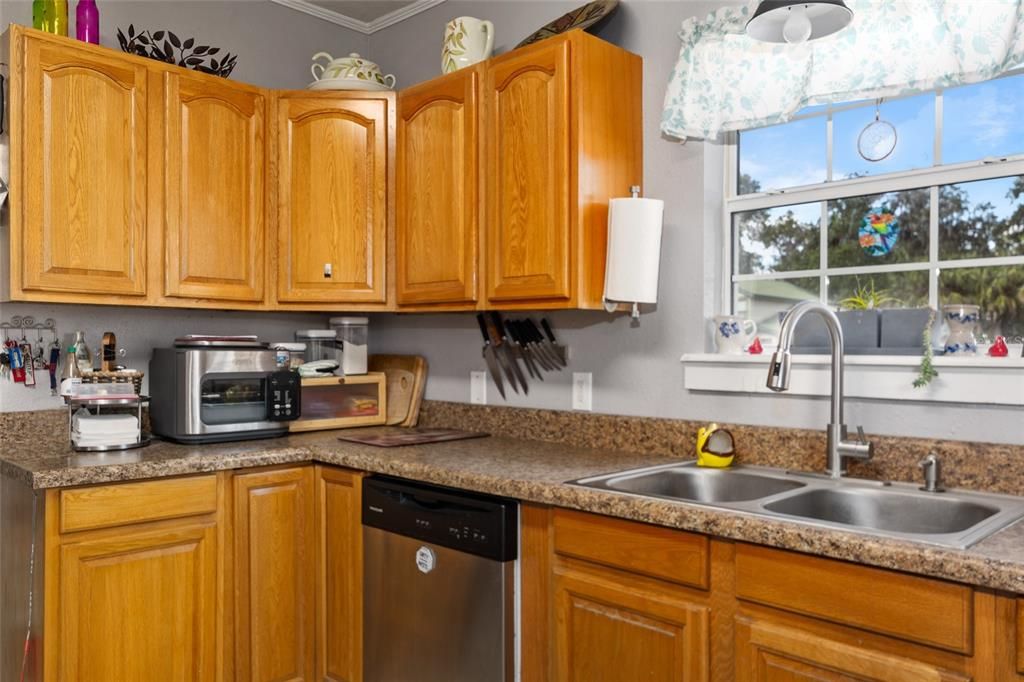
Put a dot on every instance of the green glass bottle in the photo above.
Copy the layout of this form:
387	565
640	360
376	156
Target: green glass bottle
38	14
55	16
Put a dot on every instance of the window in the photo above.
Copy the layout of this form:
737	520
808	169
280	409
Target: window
939	220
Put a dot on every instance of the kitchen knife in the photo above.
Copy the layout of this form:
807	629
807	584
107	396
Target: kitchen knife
559	349
545	345
492	362
521	351
508	348
500	354
537	353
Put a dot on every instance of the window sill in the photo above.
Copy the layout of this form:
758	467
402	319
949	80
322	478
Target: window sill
966	380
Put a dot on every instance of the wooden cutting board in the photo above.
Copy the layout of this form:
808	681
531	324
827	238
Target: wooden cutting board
403	403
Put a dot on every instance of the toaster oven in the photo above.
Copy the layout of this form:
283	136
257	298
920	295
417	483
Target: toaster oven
207	393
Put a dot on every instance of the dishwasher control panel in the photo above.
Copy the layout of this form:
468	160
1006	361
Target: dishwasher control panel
483	525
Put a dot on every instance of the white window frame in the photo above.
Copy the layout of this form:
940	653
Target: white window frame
924	178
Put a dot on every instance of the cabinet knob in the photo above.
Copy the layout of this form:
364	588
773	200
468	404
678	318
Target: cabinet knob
327	270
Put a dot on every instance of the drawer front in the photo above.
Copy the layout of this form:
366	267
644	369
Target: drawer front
123	503
636	547
931	612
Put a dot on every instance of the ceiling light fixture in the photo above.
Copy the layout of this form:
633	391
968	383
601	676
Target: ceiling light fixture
788	21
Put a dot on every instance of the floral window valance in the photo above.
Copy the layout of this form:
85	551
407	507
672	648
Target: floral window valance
725	80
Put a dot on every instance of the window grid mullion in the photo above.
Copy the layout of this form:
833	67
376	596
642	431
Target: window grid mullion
933	248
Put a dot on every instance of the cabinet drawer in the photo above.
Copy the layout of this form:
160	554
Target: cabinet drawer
923	610
124	503
637	547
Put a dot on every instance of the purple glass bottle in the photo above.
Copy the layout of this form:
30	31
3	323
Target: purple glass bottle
87	22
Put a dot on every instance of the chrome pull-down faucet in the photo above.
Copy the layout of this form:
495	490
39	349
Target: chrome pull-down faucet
778	380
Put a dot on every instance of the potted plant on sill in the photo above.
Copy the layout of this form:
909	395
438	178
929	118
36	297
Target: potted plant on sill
858	315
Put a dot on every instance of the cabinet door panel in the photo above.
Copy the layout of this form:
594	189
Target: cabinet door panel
767	651
529	235
274	577
339	576
213	197
332	199
605	631
139	606
437	192
84	226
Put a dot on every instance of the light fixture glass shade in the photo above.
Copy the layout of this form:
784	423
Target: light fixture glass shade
784	21
634	250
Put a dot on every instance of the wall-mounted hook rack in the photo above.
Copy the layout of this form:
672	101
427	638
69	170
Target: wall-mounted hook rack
24	323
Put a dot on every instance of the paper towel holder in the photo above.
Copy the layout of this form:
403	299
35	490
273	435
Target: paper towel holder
633	251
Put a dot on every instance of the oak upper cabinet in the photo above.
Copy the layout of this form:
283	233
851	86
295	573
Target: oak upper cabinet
562	134
333	166
133	588
78	169
213	199
437	198
274	575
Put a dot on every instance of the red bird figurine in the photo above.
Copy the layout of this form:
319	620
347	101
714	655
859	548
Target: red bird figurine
998	349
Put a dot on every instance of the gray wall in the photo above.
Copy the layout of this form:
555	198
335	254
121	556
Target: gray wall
274	45
636	370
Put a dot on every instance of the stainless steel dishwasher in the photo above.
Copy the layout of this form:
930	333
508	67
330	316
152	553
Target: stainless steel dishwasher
439	571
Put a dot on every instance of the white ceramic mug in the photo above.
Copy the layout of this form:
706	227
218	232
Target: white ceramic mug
466	41
731	335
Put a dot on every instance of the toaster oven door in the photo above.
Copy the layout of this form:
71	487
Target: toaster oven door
226	393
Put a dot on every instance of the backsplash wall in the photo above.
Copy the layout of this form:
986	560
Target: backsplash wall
636	370
139	331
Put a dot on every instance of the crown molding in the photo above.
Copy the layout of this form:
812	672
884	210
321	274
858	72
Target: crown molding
364	27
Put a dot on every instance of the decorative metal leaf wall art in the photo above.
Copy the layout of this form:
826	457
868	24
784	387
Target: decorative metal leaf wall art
165	46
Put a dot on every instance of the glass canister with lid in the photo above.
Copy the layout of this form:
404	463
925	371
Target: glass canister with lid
320	344
352	335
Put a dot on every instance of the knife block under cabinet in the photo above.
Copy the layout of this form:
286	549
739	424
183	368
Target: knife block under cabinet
342	402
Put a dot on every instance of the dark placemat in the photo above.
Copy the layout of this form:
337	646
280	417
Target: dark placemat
412	437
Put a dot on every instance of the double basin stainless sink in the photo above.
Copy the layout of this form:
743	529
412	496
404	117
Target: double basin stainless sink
955	518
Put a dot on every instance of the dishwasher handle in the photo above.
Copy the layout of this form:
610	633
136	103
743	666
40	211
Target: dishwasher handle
428	505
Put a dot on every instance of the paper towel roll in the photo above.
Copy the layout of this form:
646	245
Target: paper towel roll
634	250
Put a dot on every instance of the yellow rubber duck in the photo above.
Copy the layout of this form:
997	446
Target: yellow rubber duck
714	447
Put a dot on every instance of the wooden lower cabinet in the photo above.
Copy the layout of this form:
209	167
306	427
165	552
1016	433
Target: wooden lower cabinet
609	628
139	606
771	649
137	599
274	575
339	562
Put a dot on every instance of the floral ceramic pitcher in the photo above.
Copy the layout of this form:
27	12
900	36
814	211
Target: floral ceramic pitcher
466	41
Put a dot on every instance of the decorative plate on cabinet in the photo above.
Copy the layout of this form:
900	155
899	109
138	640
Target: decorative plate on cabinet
582	17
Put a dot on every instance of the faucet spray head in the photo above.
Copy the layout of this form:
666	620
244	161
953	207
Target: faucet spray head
778	371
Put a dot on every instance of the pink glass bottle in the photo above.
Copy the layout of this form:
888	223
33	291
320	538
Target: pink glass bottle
87	22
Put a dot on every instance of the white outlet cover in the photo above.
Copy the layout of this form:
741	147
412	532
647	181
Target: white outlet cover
582	391
478	388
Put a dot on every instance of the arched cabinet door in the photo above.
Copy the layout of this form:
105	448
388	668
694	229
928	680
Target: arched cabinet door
528	223
213	208
332	192
436	248
83	156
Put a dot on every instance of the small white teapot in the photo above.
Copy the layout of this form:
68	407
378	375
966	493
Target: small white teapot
352	66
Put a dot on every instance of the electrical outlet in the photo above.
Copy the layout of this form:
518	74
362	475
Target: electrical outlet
582	391
478	388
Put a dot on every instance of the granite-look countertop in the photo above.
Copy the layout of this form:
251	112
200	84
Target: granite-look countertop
531	471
